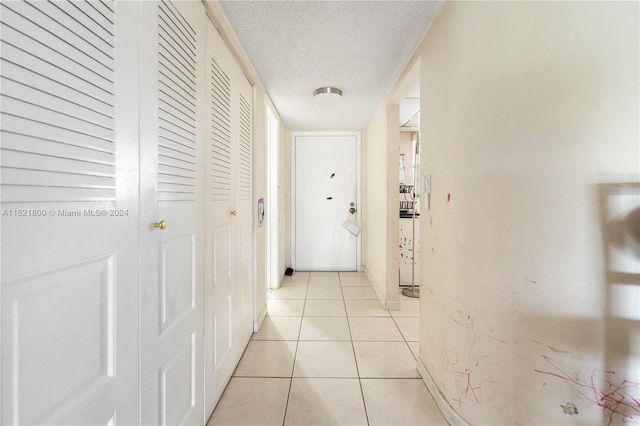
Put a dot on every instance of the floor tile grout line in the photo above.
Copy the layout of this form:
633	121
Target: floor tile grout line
405	338
295	354
353	348
361	379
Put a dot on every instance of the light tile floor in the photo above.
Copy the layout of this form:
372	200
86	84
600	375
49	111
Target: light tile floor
329	354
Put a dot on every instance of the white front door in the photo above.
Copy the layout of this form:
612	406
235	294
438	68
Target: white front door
326	187
229	217
69	212
172	129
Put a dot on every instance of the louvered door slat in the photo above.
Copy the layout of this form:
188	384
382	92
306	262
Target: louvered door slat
176	154
175	95
53	30
58	163
57	102
220	134
245	157
27	94
100	46
57	180
183	134
42	83
95	12
48	147
53	116
38	57
170	70
104	7
188	34
177	106
14	125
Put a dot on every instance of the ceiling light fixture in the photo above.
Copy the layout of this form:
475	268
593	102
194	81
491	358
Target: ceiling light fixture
327	95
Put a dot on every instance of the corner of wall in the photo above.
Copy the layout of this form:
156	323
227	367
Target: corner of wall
449	413
390	305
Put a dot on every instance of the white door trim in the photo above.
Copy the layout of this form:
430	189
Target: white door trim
293	188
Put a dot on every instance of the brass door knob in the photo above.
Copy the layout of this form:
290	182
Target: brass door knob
233	212
162	224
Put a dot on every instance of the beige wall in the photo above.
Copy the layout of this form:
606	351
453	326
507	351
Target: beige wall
529	118
260	191
283	204
380	223
288	195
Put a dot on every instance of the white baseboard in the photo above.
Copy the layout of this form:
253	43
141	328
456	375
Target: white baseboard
257	325
390	306
450	415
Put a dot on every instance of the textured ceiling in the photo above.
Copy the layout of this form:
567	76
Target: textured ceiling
357	46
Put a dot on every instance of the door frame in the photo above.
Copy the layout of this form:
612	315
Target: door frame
273	272
358	136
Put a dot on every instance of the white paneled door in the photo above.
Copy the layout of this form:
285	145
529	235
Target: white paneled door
229	226
69	180
172	146
126	178
326	187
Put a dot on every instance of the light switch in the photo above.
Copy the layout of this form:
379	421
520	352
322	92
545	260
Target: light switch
426	184
426	189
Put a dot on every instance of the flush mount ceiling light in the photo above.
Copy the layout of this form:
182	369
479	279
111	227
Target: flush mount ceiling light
327	95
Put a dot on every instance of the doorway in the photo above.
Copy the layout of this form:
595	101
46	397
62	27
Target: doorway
408	99
326	190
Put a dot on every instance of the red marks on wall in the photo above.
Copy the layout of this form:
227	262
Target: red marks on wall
620	400
470	388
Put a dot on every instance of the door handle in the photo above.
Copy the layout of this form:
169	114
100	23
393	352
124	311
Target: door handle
233	212
162	225
352	210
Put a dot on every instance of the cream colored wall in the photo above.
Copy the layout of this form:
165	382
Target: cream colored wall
380	202
260	191
288	195
283	206
529	119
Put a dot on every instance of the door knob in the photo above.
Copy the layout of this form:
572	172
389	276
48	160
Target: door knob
162	224
233	212
352	210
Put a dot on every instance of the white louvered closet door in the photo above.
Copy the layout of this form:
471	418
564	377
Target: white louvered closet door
229	226
172	186
69	180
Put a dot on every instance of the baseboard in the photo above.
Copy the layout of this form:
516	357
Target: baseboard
257	325
450	415
390	306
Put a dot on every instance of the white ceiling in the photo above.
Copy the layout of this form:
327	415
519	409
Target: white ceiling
359	47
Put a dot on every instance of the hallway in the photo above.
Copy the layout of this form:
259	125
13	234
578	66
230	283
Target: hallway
329	354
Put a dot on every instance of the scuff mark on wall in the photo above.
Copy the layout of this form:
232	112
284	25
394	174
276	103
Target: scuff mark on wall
620	400
468	322
569	408
558	351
